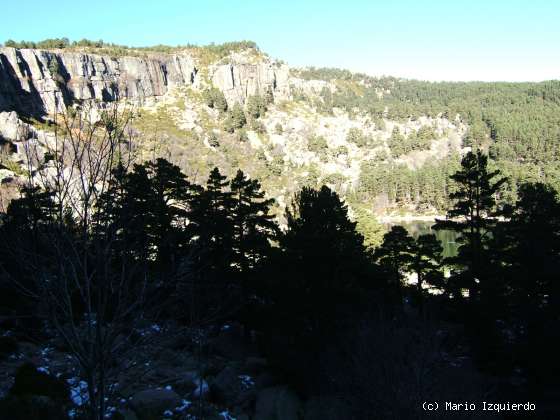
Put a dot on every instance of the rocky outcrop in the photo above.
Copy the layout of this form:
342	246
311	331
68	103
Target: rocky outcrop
11	126
39	82
14	130
244	77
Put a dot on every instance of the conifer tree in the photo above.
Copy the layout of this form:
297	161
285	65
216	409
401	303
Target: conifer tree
235	119
253	225
474	216
426	259
321	233
323	253
112	214
395	253
170	192
211	215
532	245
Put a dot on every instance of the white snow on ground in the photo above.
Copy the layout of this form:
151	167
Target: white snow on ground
226	416
201	389
184	405
78	391
247	381
110	411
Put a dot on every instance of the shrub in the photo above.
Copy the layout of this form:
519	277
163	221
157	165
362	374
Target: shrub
317	144
426	133
278	129
256	106
258	126
356	136
269	96
335	179
379	123
235	119
241	135
213	139
214	98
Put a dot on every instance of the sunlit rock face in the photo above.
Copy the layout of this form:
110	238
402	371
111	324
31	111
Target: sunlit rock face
41	82
243	77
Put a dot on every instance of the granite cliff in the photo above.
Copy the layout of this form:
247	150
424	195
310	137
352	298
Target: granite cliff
38	82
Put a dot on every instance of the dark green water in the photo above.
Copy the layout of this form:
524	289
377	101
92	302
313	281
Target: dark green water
447	237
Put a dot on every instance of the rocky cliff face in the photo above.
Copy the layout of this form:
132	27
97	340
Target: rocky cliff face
242	78
40	82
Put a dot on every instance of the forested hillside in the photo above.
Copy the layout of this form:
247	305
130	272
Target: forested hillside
516	123
386	145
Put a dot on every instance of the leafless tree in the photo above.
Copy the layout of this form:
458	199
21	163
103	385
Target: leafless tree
98	301
92	300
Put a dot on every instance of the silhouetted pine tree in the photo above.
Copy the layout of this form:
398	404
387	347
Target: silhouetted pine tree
473	215
112	214
24	237
322	240
253	225
528	249
314	284
35	208
426	260
169	196
395	254
212	218
533	240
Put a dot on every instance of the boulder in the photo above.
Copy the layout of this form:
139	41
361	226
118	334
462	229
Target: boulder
151	403
187	382
201	391
277	403
227	386
12	128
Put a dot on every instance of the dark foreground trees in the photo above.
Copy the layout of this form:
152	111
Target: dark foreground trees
474	217
132	244
98	254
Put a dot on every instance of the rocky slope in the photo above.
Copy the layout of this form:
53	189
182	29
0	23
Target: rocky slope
295	142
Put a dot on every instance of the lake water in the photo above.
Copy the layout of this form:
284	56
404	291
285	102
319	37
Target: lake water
416	228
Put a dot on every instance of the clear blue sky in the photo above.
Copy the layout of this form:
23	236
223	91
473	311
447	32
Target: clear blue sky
433	40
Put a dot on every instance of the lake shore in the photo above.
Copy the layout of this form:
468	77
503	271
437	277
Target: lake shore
405	218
